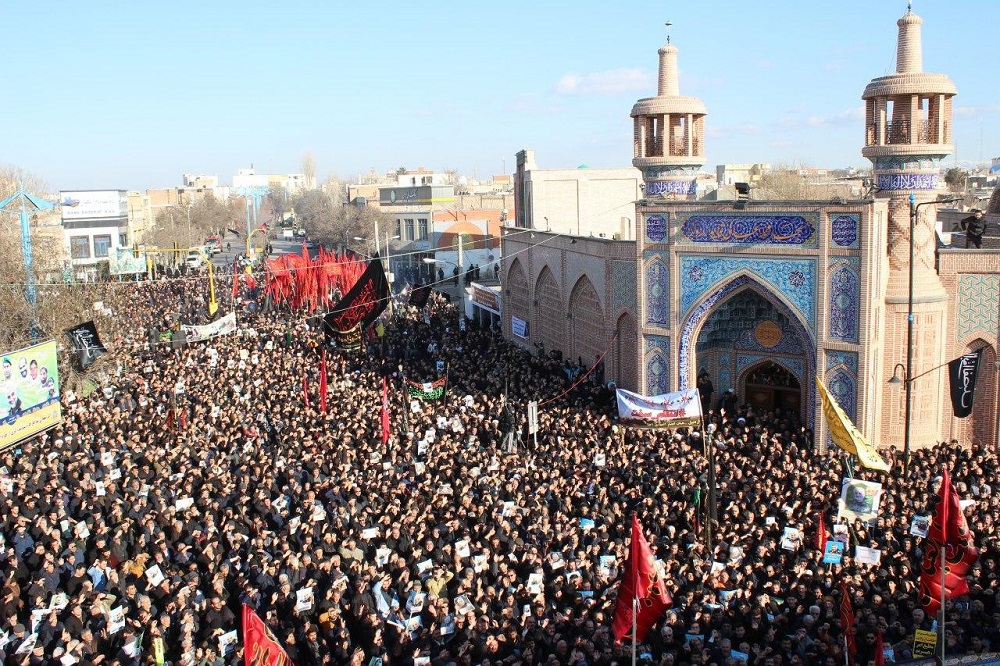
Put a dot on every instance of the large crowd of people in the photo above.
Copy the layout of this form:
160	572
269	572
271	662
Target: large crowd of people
198	478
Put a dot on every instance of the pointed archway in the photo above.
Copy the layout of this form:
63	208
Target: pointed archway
587	322
737	327
551	320
517	296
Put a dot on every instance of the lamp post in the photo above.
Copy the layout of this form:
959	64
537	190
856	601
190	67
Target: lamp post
433	260
388	263
908	381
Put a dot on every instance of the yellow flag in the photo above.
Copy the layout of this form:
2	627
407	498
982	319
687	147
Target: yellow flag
846	435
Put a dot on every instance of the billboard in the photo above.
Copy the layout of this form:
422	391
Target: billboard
124	262
93	204
29	392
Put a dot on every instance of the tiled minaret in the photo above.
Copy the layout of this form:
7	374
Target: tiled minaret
669	138
908	128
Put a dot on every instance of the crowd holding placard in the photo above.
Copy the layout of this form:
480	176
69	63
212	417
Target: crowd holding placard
197	480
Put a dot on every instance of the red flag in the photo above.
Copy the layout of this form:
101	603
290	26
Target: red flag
259	646
322	384
950	532
821	533
305	388
385	412
847	622
236	281
879	650
641	583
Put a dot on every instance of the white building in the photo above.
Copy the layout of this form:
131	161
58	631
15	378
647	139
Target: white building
94	224
580	202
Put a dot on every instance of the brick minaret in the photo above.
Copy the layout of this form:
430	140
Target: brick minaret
908	128
669	139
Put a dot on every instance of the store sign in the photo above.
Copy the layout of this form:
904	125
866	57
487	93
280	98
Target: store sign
486	298
93	204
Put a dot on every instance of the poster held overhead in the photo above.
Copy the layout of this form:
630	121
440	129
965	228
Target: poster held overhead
29	393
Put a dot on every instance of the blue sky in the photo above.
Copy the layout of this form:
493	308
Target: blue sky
133	94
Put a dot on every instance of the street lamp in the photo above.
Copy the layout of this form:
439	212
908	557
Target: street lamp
434	260
908	380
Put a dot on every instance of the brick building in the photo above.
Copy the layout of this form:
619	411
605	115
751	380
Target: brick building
767	296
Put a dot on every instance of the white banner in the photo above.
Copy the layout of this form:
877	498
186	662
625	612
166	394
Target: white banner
223	326
682	408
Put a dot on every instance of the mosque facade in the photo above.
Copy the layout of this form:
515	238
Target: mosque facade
766	297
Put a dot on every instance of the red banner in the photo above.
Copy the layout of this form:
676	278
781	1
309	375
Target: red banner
641	585
948	532
322	383
385	412
259	646
847	622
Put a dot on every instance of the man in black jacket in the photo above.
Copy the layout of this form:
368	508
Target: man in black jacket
974	227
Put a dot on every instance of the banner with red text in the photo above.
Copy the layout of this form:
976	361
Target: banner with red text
669	410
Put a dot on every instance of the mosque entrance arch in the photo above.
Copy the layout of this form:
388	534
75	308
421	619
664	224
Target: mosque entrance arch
750	342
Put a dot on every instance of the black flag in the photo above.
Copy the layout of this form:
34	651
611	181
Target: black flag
363	303
963	372
419	295
86	344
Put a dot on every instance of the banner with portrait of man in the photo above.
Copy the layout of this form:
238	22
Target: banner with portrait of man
859	500
29	392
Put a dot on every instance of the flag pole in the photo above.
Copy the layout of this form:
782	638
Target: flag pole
943	548
635	591
945	518
847	656
635	610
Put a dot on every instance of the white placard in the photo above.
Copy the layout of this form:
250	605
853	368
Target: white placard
227	642
304	599
116	620
535	583
416	603
462	548
865	555
183	504
463	606
370	533
920	525
155	575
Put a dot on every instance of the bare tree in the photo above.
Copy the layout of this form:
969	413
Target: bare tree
309	169
189	225
277	197
14	177
796	183
331	224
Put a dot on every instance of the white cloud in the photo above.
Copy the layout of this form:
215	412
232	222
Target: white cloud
610	82
852	116
976	110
